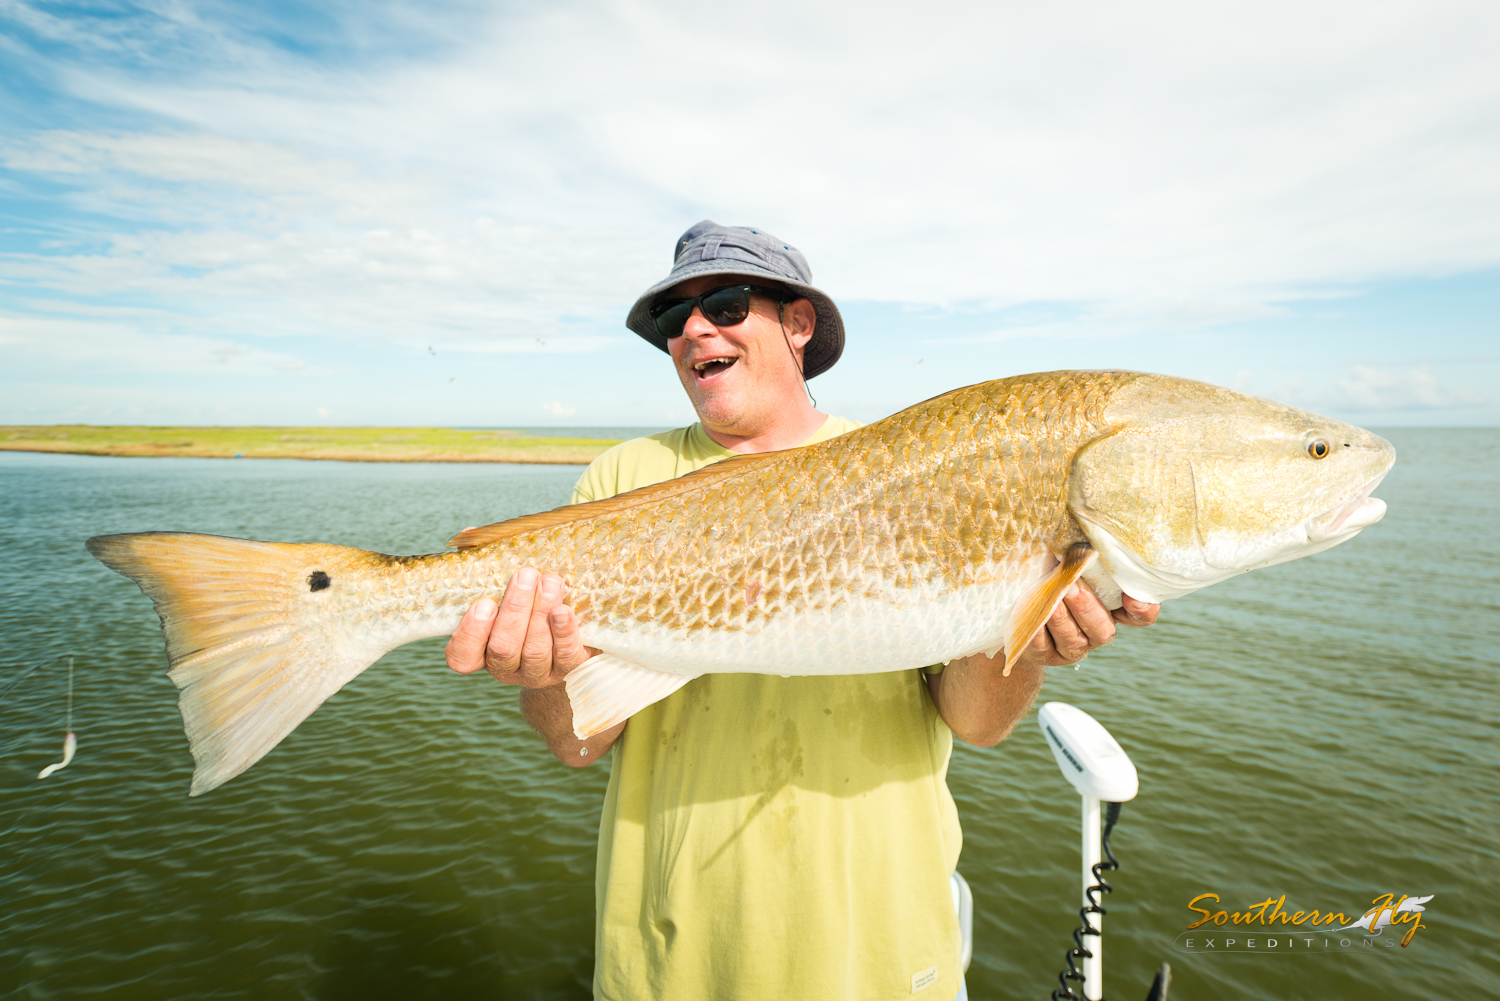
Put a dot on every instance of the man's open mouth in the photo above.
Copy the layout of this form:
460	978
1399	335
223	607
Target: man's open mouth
710	367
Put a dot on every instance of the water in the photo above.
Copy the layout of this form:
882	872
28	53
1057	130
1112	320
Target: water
1324	729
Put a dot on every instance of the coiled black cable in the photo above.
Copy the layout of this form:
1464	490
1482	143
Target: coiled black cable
1065	991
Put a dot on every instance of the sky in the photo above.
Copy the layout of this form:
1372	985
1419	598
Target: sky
396	213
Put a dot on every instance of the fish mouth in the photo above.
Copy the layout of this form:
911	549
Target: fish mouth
1360	511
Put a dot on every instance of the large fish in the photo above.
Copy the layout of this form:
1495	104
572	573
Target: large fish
951	528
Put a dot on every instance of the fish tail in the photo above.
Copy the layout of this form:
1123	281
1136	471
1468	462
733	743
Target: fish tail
253	636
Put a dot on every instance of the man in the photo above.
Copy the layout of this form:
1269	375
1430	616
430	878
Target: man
764	837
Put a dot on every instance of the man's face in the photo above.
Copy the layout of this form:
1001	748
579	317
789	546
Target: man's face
739	376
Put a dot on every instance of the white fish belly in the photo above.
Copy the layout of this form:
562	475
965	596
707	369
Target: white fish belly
907	628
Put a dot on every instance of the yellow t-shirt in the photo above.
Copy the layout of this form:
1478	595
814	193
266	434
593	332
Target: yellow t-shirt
773	838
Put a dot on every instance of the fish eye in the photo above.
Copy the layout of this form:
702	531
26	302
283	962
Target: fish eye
1319	448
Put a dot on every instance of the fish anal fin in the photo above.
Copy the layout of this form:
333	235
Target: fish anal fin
606	691
708	475
1032	611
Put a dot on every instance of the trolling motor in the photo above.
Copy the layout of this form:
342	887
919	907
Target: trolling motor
1104	775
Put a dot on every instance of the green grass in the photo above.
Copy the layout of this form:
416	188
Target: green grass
358	444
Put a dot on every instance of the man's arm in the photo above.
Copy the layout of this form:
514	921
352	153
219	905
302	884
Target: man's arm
982	707
531	639
550	714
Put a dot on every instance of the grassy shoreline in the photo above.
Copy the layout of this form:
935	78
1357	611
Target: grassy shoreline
354	444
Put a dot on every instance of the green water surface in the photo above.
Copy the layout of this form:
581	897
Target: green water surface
1324	729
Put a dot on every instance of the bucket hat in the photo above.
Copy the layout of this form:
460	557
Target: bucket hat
711	249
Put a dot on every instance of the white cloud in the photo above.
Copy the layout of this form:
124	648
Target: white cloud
558	409
968	151
1370	389
508	185
266	238
95	346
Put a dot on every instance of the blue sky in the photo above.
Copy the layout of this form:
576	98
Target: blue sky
387	213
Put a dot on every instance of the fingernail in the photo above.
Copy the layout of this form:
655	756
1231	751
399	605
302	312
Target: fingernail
526	578
551	587
1071	592
484	608
560	615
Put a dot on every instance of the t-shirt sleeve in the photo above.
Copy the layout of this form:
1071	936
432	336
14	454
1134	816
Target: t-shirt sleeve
600	480
583	490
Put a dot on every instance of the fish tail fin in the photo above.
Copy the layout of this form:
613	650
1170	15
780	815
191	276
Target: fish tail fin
252	638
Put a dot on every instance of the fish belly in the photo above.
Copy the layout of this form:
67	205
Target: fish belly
846	634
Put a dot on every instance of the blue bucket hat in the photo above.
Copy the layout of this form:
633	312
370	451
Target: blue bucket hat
711	249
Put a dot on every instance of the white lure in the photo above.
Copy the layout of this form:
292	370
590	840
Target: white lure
70	744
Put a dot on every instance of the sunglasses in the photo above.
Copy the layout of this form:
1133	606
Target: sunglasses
723	307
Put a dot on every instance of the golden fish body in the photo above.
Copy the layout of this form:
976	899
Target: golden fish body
950	528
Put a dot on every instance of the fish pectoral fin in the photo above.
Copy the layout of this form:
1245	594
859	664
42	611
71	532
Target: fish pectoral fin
1031	612
606	691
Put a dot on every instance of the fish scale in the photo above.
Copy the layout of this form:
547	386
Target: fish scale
952	528
919	518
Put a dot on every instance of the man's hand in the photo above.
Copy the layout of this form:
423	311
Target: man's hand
1080	625
982	706
530	638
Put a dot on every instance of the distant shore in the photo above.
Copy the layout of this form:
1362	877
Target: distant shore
355	444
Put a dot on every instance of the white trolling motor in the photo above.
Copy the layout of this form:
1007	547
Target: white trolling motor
1104	775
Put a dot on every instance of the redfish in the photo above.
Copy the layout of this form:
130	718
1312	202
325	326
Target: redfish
951	528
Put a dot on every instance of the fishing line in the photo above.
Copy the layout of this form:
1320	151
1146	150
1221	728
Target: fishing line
26	674
70	742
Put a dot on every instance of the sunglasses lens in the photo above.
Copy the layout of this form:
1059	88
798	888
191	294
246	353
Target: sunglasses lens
726	307
670	320
723	307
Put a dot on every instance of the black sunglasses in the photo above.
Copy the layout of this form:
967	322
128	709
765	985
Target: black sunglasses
723	307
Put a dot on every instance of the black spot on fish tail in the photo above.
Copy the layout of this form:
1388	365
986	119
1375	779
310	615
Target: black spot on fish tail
318	581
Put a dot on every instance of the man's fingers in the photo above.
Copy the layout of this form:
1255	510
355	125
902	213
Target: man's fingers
536	650
1071	643
1041	649
465	649
568	650
503	654
1081	624
1135	612
1089	615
